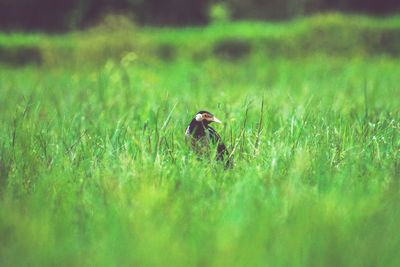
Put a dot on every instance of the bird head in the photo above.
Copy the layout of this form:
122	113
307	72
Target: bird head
206	117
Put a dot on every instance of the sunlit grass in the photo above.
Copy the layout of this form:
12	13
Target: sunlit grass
94	169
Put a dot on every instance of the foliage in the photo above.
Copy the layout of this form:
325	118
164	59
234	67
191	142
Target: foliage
48	15
329	34
219	13
63	15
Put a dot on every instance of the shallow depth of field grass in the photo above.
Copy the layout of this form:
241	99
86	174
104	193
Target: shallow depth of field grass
94	170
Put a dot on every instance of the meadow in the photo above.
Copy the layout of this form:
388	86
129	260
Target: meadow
94	169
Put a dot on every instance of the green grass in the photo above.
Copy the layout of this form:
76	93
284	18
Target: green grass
328	34
94	169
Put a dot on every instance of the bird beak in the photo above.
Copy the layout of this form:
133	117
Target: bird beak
215	119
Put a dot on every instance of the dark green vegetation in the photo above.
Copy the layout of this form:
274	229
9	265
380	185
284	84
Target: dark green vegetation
48	15
331	35
94	169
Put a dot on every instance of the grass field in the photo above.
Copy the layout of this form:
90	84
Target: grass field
94	170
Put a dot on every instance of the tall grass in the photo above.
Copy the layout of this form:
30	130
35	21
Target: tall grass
94	169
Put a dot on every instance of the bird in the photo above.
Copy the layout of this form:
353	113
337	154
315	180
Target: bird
200	135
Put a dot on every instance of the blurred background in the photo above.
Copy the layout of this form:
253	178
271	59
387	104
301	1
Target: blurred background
63	15
77	32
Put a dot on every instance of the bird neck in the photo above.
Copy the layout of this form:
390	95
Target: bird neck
197	128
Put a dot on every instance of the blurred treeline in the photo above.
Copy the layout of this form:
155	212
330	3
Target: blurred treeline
64	15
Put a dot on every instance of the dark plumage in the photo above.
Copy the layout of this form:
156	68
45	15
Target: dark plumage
199	133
